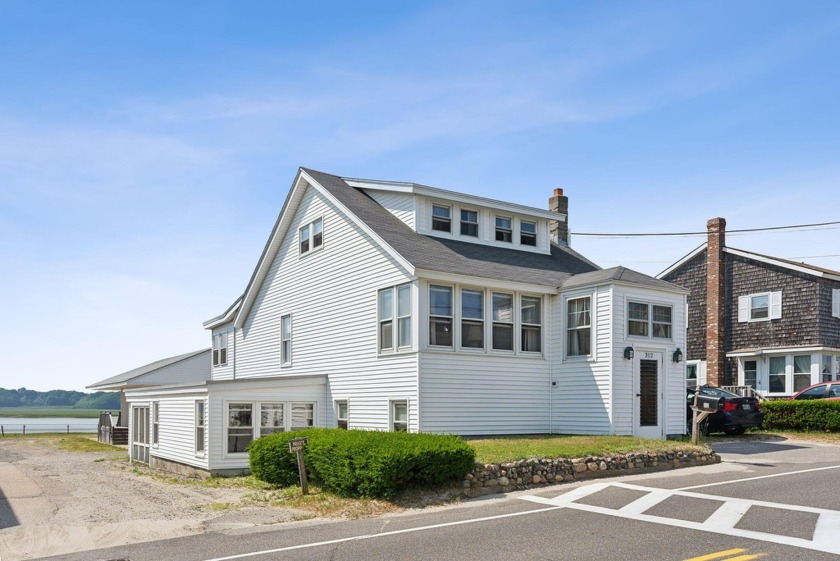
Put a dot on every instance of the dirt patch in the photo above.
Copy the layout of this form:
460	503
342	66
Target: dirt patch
54	502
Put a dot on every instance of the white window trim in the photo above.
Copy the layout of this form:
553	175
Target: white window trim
451	209
391	404
591	357
337	409
395	320
203	452
650	304
774	306
536	233
154	413
220	335
496	217
452	316
311	226
286	361
523	325
477	222
835	302
513	323
256	418
460	319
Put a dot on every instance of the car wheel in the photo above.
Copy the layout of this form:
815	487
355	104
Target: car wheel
735	431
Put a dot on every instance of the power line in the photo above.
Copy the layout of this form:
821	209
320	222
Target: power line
685	234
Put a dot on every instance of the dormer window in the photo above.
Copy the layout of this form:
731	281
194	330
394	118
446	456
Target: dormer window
527	233
469	223
504	229
441	218
311	236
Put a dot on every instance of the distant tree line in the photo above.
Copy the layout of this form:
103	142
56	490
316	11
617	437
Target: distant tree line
22	397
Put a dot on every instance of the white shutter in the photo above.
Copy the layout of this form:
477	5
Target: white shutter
775	305
835	303
743	308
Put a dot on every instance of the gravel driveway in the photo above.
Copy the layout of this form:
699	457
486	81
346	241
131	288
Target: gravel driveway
54	502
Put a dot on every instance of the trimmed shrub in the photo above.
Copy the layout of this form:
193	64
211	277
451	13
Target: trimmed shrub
270	459
820	415
360	463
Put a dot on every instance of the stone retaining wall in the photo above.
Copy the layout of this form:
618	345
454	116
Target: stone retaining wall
496	478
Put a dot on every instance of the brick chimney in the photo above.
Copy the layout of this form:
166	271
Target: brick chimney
715	302
559	229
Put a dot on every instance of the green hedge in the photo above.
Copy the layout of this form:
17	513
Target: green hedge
360	463
819	415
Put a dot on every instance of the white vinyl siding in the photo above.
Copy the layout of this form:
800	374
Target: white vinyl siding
399	204
762	306
335	318
177	428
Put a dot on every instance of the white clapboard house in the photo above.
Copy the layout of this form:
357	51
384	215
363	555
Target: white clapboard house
395	306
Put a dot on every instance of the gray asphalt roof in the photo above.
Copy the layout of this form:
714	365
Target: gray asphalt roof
619	274
131	374
452	256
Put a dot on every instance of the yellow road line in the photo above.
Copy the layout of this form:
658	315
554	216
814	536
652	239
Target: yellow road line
746	557
717	555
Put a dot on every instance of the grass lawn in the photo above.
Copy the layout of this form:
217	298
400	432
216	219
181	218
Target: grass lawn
47	412
510	449
69	442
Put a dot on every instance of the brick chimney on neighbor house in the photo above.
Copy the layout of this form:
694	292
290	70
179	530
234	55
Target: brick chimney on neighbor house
559	228
715	302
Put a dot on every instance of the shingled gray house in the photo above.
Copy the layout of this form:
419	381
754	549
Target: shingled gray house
764	324
396	306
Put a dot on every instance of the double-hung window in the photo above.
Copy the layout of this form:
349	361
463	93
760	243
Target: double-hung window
527	233
502	321
777	374
825	369
531	324
200	424
441	218
240	431
440	315
220	343
469	223
504	229
762	306
395	302
286	340
472	319
649	320
399	416
578	326
801	372
272	418
311	236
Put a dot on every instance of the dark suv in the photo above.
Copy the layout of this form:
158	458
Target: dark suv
738	413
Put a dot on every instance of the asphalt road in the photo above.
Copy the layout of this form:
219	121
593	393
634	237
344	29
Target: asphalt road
766	500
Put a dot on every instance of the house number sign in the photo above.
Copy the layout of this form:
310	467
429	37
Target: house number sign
650	355
296	446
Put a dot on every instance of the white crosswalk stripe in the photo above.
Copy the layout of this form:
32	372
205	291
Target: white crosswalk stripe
723	521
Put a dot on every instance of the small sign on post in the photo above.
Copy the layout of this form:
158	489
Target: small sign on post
297	445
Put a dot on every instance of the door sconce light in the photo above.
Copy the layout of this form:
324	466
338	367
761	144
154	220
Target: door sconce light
628	353
678	355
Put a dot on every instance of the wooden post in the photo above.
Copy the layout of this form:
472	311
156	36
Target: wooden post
2	431
297	445
68	429
24	430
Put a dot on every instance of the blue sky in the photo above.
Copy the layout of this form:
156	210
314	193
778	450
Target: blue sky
146	148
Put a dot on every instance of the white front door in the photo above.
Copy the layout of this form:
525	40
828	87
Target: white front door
647	395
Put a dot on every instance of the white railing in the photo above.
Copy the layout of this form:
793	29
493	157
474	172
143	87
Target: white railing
32	428
744	391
